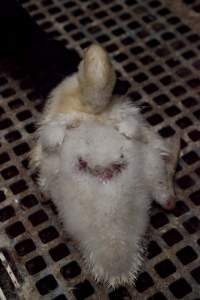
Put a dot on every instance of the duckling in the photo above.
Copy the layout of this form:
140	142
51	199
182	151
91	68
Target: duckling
102	165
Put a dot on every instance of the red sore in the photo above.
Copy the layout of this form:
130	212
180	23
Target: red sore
82	164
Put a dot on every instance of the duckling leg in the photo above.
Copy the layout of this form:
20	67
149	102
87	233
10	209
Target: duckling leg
171	161
52	135
160	168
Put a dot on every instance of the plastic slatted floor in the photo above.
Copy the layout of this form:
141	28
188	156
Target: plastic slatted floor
157	53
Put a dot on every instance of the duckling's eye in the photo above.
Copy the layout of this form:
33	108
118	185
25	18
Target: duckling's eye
122	156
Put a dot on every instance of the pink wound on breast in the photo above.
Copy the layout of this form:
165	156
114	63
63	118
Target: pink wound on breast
103	173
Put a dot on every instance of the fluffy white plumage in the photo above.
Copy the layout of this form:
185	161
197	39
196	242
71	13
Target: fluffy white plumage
101	165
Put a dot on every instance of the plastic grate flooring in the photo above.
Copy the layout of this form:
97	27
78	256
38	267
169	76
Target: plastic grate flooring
157	53
193	4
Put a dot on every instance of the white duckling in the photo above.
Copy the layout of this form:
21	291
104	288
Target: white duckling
102	165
